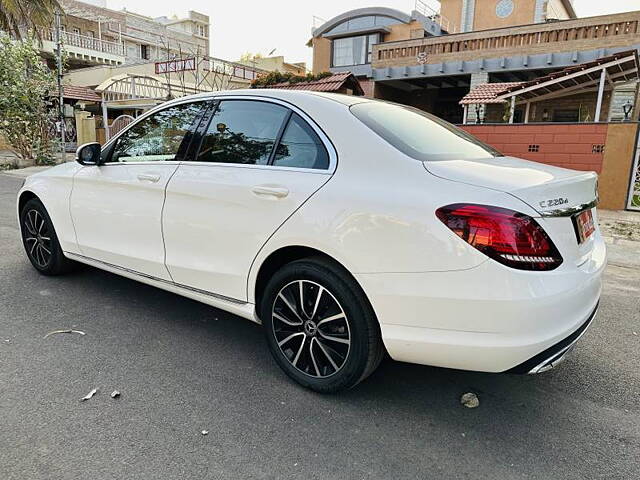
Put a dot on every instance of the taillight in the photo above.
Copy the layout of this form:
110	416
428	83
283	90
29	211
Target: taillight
511	238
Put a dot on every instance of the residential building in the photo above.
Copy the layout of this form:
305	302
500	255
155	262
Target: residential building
95	35
276	64
470	15
413	58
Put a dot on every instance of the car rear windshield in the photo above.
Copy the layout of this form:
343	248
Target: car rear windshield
420	135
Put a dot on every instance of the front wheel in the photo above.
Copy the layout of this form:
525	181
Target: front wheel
320	328
40	240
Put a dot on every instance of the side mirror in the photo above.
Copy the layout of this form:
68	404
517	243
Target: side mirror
89	154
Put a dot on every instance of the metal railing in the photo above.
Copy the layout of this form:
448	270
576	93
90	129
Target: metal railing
230	68
85	41
594	32
431	11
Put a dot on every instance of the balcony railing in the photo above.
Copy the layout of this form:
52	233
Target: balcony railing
581	34
85	41
432	11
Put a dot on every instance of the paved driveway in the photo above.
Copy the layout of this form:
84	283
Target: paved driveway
183	367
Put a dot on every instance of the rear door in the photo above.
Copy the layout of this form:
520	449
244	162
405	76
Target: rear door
257	162
116	207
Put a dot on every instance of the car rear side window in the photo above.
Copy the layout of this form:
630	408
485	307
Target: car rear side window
420	135
157	137
300	147
242	131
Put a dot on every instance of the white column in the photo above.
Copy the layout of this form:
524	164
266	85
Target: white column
105	121
526	112
513	109
603	78
464	115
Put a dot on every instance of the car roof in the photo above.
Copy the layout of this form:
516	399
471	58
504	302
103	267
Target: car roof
290	95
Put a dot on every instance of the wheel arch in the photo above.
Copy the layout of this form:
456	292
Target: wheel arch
24	197
287	254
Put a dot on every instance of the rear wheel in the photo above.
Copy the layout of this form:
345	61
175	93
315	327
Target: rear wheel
320	328
40	240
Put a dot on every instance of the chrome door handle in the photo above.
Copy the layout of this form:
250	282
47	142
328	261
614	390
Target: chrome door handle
278	192
148	177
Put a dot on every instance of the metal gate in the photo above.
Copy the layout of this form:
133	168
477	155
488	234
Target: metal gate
633	202
119	123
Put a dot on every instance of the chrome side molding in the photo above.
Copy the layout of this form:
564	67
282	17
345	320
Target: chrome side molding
160	280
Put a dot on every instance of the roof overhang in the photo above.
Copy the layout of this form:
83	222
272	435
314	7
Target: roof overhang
360	31
361	12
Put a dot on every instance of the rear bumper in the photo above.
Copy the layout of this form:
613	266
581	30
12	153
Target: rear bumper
553	356
489	318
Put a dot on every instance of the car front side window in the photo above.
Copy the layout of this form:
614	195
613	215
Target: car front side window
157	137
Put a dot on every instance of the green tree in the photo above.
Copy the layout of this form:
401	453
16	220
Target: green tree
17	15
25	85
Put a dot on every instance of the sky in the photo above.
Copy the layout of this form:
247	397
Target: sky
260	26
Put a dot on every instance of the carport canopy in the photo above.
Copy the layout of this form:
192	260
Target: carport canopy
597	75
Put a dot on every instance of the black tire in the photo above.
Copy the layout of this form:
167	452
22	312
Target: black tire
40	240
329	355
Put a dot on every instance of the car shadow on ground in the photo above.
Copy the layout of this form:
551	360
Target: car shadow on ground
427	387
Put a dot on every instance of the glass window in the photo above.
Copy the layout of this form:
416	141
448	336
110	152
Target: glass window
353	50
420	135
242	131
300	147
157	137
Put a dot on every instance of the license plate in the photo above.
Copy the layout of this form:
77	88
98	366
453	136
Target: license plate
584	225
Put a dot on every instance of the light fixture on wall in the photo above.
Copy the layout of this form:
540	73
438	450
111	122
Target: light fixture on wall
626	108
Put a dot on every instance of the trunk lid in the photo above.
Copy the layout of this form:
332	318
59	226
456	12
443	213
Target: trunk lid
557	194
549	190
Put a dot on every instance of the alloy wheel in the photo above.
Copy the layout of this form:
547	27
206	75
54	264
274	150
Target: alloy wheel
311	328
37	238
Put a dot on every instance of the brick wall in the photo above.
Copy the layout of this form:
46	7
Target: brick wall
573	146
605	148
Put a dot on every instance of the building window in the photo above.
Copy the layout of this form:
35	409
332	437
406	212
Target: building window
202	30
353	50
144	52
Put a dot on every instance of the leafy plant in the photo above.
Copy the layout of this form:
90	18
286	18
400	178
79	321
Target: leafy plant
273	78
16	15
26	84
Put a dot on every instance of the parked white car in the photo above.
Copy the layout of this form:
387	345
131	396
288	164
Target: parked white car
346	226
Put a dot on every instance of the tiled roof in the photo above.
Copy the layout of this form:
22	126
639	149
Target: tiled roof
487	93
80	93
328	84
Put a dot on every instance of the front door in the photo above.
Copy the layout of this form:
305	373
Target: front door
117	207
258	162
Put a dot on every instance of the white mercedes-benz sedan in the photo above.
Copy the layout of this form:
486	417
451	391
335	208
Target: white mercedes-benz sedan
346	226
